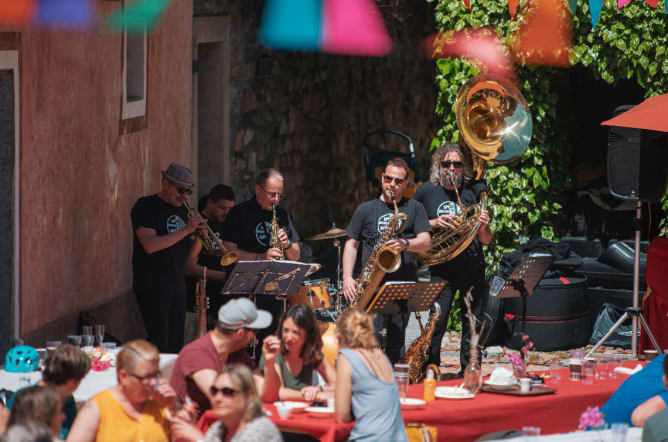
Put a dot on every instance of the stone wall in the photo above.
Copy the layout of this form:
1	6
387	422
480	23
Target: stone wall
306	113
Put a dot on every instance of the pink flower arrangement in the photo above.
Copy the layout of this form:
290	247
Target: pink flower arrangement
591	418
517	359
99	365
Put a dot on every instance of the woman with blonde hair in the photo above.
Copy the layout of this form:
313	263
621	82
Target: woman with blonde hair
136	408
237	405
365	387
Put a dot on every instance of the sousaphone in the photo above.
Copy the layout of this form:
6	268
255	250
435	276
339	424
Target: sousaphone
495	125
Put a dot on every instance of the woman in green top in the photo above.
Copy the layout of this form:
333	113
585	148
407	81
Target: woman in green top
301	354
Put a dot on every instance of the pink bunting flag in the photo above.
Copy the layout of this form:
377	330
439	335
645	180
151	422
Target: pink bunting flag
622	3
354	27
467	3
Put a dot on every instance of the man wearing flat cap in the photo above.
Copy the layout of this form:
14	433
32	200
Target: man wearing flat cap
200	361
162	230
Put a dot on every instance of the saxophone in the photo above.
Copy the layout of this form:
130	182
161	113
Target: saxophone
383	259
417	353
275	241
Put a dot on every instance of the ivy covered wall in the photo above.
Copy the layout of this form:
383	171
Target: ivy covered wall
529	194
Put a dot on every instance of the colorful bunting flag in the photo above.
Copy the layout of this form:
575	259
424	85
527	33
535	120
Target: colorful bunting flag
622	3
467	3
544	37
16	11
354	27
292	24
482	46
573	4
652	3
65	13
138	16
512	8
595	10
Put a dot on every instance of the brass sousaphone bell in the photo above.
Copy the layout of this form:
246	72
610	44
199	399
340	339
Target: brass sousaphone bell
495	125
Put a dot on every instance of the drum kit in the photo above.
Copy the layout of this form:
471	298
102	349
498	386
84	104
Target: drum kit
319	293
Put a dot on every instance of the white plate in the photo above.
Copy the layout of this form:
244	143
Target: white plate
452	393
295	406
496	384
411	402
322	412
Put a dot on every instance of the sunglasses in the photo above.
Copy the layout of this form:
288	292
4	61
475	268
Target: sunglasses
397	181
183	190
227	391
447	164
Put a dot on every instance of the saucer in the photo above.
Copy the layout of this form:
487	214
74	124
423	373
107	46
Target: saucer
411	402
321	412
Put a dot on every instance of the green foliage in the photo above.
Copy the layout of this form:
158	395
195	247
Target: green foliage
527	196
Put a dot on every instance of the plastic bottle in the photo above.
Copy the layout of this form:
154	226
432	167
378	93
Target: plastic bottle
430	386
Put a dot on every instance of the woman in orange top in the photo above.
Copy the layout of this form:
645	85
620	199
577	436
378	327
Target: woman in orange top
133	410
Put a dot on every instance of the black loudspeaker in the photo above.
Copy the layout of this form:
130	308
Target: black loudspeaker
637	162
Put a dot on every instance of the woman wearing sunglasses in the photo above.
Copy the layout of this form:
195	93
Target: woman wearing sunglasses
290	371
136	408
365	387
237	406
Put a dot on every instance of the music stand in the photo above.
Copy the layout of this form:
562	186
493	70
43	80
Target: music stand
405	297
523	280
273	278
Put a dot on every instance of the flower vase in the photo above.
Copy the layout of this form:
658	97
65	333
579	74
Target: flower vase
473	377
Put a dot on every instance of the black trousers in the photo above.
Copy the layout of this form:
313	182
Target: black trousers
395	325
164	319
473	278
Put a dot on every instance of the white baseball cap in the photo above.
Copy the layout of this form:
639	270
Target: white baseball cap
241	313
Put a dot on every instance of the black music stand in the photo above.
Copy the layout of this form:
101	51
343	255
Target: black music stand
523	280
405	297
273	278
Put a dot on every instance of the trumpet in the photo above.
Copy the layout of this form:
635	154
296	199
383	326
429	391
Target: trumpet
210	240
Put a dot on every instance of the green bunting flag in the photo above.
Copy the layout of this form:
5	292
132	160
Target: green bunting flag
138	16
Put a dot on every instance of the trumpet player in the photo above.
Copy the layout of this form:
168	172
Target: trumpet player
161	240
248	230
366	226
466	270
216	205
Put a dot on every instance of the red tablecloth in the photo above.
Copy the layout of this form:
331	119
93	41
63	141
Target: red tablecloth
468	419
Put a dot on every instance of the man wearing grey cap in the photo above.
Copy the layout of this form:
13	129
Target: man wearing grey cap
199	362
161	232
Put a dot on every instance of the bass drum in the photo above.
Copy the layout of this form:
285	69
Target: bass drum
314	294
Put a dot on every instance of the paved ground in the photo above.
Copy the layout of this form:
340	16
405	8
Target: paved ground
495	355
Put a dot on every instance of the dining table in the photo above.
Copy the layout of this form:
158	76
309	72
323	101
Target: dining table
469	419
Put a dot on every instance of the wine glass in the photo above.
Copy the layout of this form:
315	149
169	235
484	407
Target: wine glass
99	334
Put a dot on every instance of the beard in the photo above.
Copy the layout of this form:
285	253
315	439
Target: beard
445	179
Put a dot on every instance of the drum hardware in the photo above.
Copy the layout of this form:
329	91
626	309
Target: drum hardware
314	294
334	233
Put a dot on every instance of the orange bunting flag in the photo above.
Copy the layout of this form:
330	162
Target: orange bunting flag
544	37
512	8
16	11
481	46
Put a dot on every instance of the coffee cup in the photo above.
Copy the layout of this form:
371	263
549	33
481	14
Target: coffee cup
525	385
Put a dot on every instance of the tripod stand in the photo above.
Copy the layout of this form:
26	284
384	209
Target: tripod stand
634	312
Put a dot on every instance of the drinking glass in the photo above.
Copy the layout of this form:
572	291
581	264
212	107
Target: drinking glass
51	346
401	378
618	430
74	340
589	371
531	432
555	370
613	363
87	330
88	340
575	365
99	334
602	368
329	395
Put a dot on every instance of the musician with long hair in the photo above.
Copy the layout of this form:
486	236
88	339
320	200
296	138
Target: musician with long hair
466	270
291	372
367	226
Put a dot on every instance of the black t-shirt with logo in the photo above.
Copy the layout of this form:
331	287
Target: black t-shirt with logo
162	271
249	226
439	201
371	218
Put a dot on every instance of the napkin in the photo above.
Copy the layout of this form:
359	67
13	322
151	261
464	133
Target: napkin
628	371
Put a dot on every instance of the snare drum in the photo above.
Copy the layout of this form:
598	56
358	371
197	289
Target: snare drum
314	294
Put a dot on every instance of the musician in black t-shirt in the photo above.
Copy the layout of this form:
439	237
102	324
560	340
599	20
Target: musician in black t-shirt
217	204
161	231
366	226
247	229
467	269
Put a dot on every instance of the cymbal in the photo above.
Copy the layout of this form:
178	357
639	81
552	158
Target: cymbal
331	233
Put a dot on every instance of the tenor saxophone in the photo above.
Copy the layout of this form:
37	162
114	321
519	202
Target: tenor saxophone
383	259
417	353
275	241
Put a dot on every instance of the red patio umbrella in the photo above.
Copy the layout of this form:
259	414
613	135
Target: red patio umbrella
650	115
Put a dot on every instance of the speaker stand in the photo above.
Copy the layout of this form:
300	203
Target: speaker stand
634	312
